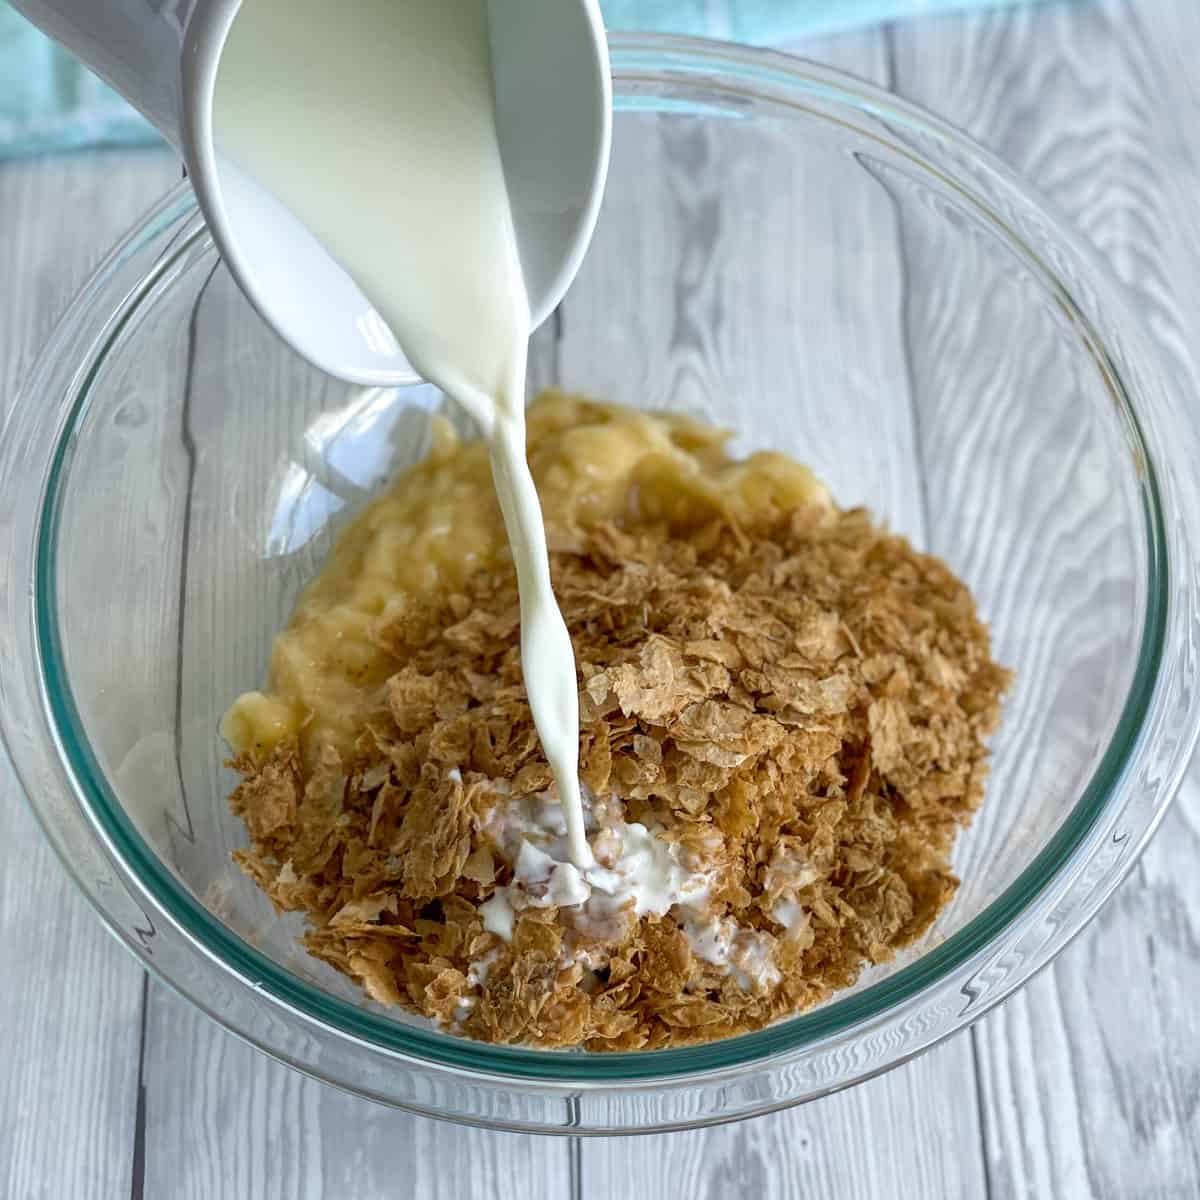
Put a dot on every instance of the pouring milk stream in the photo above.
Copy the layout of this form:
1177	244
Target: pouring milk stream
393	162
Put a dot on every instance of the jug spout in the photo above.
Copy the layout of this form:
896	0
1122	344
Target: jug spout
133	45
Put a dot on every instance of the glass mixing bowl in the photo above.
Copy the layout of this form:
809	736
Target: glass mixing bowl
783	250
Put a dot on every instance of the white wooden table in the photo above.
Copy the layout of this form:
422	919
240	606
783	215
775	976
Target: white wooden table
1086	1084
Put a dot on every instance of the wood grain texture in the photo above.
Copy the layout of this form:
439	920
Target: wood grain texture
1025	505
1091	1075
220	1118
914	1131
210	1101
223	1120
70	999
208	1074
732	279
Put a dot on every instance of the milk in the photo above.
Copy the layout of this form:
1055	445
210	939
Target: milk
374	124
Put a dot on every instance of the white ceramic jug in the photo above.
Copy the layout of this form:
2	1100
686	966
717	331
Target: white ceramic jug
553	103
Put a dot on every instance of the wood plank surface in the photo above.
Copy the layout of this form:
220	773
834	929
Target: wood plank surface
1090	1075
70	999
697	294
188	1052
223	1120
1087	1081
913	1132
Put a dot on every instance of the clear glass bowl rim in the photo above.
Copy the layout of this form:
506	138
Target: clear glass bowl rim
728	69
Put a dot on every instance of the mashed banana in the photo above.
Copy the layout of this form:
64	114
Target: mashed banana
440	523
783	714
